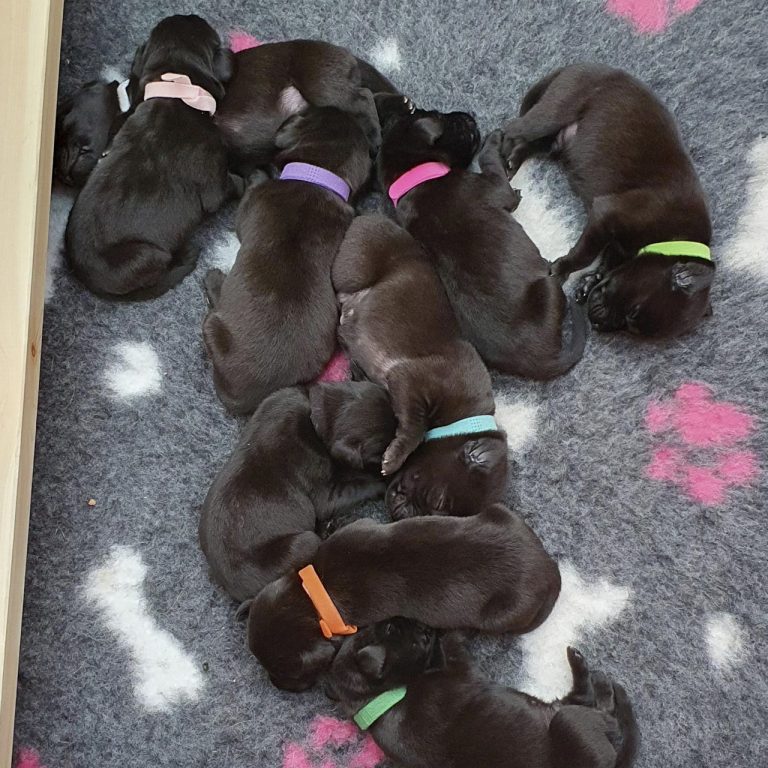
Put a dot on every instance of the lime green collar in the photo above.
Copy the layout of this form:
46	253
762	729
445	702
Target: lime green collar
379	706
678	248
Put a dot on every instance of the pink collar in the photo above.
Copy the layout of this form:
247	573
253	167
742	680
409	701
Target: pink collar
173	86
414	177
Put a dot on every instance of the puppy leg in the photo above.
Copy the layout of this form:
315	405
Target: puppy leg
595	237
364	108
212	282
411	424
235	187
581	738
492	167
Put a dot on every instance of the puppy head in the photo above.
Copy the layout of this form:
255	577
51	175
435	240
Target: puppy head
653	295
451	476
187	45
284	635
327	137
380	657
413	136
355	421
83	123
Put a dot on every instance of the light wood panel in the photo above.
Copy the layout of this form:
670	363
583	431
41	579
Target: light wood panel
30	36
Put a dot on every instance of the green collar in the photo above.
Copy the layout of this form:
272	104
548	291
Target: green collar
379	706
678	248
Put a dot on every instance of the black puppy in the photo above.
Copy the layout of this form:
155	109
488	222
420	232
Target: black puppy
437	710
303	457
130	228
625	159
86	123
487	572
277	80
400	330
273	318
507	304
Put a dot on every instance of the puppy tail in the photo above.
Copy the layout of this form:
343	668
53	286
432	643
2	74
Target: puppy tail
572	351
628	727
138	270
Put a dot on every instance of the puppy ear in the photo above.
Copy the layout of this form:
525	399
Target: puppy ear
482	454
138	61
289	132
326	402
243	609
692	276
319	658
224	65
430	127
371	660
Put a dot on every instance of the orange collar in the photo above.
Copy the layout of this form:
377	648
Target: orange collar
331	622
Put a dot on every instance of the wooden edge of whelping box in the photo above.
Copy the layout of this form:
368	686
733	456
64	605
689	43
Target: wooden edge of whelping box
30	39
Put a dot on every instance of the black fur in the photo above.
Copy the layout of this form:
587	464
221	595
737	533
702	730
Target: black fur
273	318
507	304
452	717
302	458
625	159
129	231
487	572
398	326
276	80
86	122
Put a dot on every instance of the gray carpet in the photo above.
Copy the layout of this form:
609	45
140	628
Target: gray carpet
642	471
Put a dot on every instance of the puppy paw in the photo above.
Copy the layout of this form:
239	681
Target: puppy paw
560	268
493	141
586	284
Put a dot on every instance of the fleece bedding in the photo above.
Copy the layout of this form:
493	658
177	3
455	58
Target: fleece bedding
642	470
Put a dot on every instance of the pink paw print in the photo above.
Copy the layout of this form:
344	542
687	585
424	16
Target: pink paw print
333	743
703	451
650	17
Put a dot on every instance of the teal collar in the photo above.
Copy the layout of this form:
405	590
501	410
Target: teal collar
463	427
379	706
678	248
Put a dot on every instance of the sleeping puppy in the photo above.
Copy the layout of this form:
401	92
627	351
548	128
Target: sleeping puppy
86	122
277	80
647	214
450	476
487	572
303	457
272	319
130	228
399	328
507	304
442	712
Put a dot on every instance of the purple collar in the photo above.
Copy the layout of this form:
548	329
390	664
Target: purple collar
314	174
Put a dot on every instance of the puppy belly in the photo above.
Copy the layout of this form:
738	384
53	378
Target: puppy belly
566	135
291	102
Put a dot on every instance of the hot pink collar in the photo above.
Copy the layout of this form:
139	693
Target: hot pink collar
172	86
414	177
